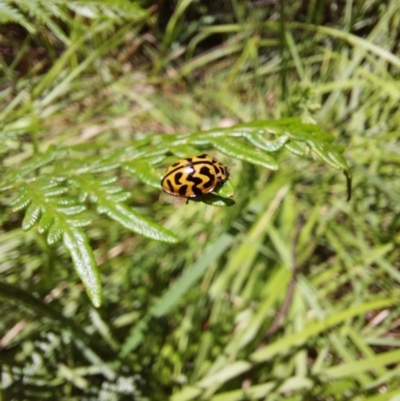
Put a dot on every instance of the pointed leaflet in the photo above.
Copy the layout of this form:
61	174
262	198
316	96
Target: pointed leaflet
183	150
260	142
45	222
328	153
78	246
15	173
135	222
227	190
295	129
143	172
55	231
31	217
107	204
215	200
295	148
232	147
22	201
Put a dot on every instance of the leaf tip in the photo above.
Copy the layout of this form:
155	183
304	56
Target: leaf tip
96	302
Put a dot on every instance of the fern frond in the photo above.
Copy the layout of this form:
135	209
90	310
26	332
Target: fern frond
109	198
59	215
144	172
44	208
13	177
45	223
78	246
243	152
55	232
21	201
32	216
295	148
261	140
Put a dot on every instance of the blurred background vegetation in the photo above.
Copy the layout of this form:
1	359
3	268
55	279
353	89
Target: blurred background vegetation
292	293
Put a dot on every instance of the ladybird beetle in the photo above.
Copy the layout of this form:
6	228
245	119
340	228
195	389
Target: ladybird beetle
194	176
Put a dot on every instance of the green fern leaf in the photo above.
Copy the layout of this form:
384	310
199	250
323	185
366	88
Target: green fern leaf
215	200
122	197
295	129
72	210
227	190
103	168
22	201
41	160
259	141
55	202
42	199
143	172
31	217
13	176
295	148
135	222
328	154
55	192
236	149
64	201
319	141
80	222
183	151
108	181
55	232
45	223
112	189
85	264
106	197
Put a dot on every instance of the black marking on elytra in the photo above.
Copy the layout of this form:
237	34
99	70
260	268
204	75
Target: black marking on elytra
182	190
196	180
203	156
170	186
197	191
177	177
205	170
178	166
217	169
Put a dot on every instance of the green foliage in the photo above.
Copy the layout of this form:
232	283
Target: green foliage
55	187
290	292
50	14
